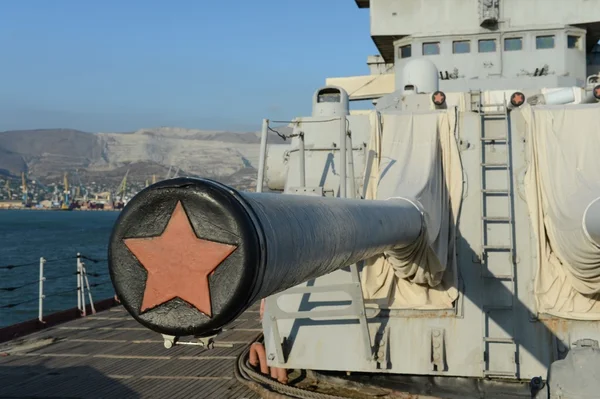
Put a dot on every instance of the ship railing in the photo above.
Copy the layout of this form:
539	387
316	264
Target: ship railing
82	289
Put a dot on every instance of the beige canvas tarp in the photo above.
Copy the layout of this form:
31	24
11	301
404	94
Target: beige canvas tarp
562	178
415	156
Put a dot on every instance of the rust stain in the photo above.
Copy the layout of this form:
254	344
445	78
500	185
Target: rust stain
178	263
556	325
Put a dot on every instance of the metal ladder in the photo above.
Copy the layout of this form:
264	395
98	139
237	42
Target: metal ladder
488	168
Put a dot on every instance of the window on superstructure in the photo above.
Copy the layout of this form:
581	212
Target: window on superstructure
405	51
513	44
461	47
544	42
431	48
487	46
573	42
329	96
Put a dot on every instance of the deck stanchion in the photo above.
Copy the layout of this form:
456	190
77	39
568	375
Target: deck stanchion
87	284
41	299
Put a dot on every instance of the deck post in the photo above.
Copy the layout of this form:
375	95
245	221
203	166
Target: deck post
41	299
79	282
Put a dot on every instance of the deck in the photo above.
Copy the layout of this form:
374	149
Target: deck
110	355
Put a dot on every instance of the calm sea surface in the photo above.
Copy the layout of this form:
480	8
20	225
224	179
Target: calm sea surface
27	235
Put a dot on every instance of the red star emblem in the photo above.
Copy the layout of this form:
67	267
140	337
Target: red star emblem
518	99
438	98
178	263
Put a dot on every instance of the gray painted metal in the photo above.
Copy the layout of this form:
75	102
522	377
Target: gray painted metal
306	237
591	221
493	329
576	376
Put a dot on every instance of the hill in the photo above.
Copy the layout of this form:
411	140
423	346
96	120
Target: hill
46	154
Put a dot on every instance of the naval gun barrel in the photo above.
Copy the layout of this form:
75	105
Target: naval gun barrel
188	256
591	221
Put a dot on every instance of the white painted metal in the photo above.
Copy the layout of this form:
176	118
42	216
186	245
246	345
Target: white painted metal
87	285
422	74
262	156
41	291
496	243
343	157
79	285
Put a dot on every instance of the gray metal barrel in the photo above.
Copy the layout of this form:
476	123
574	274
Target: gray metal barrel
187	256
591	221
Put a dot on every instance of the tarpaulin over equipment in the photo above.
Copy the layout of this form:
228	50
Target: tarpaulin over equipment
415	156
563	177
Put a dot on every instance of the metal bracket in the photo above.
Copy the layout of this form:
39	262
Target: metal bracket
586	343
205	342
169	340
438	350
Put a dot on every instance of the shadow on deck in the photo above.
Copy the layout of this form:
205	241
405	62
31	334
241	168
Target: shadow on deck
110	355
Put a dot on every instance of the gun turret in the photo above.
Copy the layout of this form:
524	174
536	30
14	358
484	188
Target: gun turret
188	256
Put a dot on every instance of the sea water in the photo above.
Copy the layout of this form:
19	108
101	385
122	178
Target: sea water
57	236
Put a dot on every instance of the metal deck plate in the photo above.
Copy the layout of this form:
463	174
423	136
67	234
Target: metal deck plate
110	355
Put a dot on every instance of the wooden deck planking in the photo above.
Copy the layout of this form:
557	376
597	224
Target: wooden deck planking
111	355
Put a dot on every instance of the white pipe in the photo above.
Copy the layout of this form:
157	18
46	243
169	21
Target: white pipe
262	156
351	165
302	156
41	300
564	96
591	222
79	282
87	283
343	160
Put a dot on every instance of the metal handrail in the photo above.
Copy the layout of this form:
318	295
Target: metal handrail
83	284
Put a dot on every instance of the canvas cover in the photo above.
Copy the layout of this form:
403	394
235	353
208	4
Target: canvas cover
562	178
415	156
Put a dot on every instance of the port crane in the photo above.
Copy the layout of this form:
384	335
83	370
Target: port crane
65	204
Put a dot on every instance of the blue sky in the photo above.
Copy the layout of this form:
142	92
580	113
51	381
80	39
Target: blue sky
116	65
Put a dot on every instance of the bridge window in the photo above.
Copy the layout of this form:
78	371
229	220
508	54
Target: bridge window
513	44
461	47
574	42
329	96
544	42
405	51
487	46
431	48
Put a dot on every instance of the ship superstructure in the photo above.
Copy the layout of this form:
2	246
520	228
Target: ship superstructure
485	125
